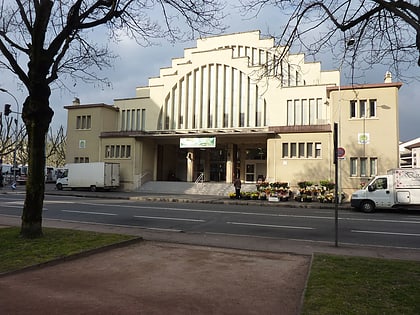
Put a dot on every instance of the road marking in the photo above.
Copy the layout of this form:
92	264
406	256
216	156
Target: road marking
166	218
320	217
272	226
385	233
89	212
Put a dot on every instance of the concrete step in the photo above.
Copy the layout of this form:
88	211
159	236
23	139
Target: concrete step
206	188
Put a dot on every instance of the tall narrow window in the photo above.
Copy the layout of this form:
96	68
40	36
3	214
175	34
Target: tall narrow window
290	113
373	166
372	108
123	120
138	120
143	119
298	113
309	149
362	109
352	109
318	150
301	149
353	166
363	167
285	150
88	122
293	150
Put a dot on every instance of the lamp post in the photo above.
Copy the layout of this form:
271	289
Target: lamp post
16	134
337	145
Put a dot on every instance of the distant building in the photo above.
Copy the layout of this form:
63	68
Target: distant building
228	108
410	154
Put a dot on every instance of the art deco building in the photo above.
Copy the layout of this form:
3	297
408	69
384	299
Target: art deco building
231	107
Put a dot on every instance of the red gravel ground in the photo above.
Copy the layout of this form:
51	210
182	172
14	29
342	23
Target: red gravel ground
161	278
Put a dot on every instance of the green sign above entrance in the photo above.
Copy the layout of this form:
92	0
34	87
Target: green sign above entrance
197	142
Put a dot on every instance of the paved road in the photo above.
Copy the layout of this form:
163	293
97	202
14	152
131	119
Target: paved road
170	278
211	215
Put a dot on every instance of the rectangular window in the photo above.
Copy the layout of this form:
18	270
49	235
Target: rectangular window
143	119
293	150
117	151
305	112
107	151
373	166
128	151
76	160
353	166
318	150
363	167
123	120
352	109
362	109
313	112
86	160
290	113
285	150
301	150
83	122
128	120
309	149
298	113
372	108
112	154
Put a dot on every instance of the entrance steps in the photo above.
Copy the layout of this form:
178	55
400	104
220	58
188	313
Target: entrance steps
187	188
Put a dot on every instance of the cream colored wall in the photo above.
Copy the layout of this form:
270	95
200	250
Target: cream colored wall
127	165
294	170
313	85
101	119
382	129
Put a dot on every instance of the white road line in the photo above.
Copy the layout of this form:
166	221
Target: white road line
297	216
89	212
272	226
166	218
385	233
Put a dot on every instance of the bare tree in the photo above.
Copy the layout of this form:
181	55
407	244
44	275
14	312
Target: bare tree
56	147
11	139
42	41
384	32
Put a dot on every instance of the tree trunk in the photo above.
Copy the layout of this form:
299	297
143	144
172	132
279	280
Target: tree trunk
37	116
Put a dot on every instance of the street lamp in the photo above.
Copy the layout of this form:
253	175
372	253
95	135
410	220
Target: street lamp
16	131
337	145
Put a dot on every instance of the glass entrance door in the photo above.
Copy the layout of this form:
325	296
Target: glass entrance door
250	173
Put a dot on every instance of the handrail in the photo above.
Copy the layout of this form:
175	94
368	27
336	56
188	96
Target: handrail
200	178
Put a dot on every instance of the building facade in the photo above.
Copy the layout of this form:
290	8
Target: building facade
231	107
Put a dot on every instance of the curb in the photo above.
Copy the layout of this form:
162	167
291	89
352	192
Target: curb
72	257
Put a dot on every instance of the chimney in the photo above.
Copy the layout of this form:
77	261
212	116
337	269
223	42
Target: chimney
76	101
388	77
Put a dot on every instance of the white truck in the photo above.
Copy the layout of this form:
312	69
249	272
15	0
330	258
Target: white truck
94	175
399	188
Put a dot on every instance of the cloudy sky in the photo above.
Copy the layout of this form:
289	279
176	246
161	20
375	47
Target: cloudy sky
136	64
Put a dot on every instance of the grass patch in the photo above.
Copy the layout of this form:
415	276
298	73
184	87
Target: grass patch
17	253
354	285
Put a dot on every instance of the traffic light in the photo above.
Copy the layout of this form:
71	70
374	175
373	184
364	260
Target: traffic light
7	109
